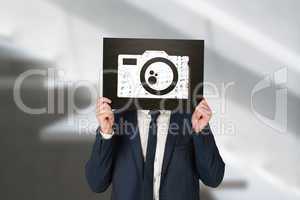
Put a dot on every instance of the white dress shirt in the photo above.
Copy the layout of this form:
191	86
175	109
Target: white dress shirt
163	122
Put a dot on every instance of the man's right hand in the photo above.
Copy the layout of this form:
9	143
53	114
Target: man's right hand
105	116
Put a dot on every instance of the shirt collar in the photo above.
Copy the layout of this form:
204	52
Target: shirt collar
162	112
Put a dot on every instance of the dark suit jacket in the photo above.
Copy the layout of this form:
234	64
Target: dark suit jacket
188	157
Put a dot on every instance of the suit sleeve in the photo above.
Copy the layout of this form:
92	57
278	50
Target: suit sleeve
98	169
209	164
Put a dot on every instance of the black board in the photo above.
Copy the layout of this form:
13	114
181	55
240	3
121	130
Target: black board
113	47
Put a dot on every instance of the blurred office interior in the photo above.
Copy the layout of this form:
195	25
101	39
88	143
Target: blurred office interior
252	62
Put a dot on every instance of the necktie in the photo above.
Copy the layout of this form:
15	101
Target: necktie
150	156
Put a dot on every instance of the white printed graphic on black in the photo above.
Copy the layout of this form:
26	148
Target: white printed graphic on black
154	74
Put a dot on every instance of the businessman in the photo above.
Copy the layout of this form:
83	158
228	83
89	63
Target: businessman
153	155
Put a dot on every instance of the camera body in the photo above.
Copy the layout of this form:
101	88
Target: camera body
154	74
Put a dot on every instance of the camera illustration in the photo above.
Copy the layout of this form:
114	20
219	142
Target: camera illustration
154	74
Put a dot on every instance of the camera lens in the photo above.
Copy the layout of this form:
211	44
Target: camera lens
153	85
152	80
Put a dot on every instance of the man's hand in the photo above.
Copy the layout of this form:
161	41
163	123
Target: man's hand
201	116
105	115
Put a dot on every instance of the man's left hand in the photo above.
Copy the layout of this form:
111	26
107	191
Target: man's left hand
201	116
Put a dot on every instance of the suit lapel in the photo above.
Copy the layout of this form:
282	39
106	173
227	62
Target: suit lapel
136	148
134	139
170	143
